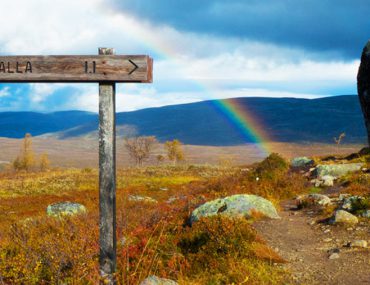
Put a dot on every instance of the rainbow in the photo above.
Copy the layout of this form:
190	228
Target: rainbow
245	121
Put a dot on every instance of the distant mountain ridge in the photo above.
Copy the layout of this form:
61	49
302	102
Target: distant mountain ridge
284	119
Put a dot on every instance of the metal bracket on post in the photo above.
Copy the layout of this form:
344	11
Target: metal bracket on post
107	178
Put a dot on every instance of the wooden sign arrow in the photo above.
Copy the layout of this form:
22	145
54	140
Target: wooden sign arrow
99	68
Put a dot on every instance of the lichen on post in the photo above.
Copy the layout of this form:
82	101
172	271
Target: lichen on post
107	178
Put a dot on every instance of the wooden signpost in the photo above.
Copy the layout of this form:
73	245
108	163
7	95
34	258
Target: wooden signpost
101	68
106	69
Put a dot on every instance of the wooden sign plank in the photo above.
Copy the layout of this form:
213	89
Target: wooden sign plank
99	68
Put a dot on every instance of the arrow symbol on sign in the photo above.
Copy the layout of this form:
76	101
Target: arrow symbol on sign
135	66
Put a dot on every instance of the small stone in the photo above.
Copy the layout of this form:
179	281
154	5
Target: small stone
341	216
328	180
366	214
359	243
348	202
343	196
123	241
328	240
326	231
65	209
316	182
349	229
312	199
154	280
301	161
137	198
333	256
171	200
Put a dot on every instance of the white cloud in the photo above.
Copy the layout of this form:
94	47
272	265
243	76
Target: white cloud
217	67
5	92
39	92
227	67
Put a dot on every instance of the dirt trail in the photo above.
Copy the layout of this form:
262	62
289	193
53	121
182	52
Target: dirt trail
305	243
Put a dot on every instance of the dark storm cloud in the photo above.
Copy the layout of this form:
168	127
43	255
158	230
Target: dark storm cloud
342	26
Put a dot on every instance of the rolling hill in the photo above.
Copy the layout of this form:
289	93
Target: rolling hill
202	123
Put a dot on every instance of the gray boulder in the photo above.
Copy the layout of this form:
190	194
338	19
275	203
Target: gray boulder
301	162
344	217
65	209
154	280
337	170
242	205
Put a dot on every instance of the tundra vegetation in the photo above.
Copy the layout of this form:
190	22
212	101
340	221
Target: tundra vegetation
174	150
153	238
27	161
140	148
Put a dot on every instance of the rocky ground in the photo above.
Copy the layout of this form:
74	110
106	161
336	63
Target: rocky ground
316	250
307	245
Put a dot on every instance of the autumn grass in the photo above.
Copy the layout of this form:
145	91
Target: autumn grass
357	183
59	182
153	238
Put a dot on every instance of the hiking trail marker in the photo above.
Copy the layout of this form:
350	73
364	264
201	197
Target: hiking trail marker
106	69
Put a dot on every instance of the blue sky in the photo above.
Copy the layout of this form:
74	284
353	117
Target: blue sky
207	49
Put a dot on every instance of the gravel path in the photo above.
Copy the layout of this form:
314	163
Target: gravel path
306	243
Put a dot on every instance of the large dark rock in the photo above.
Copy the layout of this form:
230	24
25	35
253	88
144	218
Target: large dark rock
363	86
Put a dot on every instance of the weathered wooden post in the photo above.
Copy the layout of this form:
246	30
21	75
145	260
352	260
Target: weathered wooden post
107	69
107	177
